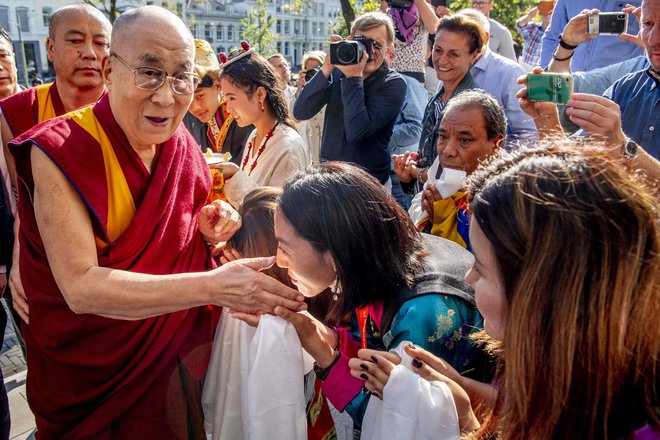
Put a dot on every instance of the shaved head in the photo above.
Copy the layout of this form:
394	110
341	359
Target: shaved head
84	8
124	26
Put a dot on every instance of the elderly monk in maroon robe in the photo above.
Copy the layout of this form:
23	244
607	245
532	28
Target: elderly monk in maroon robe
113	255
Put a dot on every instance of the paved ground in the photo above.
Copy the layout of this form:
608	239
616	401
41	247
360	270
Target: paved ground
14	371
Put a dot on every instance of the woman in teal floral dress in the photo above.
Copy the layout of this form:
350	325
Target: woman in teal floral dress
345	242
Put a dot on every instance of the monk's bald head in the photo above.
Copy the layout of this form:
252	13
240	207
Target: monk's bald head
73	10
132	23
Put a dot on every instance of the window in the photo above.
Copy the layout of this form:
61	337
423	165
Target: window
46	12
221	49
22	15
286	48
230	32
279	47
193	29
287	27
296	27
279	26
208	32
219	31
4	18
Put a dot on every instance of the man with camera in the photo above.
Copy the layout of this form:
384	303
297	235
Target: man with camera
363	96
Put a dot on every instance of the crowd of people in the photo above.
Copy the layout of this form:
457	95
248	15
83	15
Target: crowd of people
403	245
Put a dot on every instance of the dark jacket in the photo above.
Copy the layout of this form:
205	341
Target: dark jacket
359	117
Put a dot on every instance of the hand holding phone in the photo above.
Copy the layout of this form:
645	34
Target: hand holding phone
549	87
608	23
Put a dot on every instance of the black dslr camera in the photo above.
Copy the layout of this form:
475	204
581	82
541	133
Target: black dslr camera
348	52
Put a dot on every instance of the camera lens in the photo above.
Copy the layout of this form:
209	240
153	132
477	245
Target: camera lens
346	53
621	16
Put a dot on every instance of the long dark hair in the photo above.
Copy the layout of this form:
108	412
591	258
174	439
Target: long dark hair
253	71
342	209
576	238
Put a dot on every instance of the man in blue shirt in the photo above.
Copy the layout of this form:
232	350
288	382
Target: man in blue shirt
599	52
363	101
635	113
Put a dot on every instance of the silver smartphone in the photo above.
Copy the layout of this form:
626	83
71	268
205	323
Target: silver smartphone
608	23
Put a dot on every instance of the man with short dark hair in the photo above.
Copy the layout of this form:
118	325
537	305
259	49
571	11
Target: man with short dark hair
114	257
363	101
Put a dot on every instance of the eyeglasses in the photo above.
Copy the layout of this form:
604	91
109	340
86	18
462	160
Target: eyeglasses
480	4
151	78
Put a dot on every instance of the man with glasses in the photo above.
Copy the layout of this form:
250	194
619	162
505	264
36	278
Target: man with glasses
363	101
77	43
114	258
501	41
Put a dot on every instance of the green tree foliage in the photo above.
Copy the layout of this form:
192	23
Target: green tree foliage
256	28
342	26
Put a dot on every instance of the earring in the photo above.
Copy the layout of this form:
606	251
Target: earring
336	289
261	103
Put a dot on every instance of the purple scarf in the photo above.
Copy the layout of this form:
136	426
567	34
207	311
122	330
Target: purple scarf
405	22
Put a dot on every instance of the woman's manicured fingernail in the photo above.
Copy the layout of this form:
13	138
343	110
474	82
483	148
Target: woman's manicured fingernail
373	393
364	376
413	347
417	363
364	367
373	358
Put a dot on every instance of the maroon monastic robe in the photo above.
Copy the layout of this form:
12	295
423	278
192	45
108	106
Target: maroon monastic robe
102	378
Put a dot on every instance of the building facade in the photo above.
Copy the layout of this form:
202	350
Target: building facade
217	21
28	20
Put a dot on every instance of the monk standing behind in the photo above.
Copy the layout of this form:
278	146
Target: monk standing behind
113	223
78	41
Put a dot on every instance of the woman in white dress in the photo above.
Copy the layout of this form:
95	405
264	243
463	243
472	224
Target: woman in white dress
274	150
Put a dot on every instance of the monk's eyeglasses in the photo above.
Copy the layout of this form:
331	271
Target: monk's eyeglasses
151	78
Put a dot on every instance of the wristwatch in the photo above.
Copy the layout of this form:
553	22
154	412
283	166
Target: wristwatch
630	149
322	373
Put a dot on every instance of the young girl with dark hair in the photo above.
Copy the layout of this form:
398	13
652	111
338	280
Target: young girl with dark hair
274	150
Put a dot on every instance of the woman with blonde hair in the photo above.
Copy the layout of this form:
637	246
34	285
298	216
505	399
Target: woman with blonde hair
567	257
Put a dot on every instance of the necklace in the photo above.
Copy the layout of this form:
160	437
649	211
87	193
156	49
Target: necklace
259	151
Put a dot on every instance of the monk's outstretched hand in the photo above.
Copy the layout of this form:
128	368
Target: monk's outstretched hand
240	286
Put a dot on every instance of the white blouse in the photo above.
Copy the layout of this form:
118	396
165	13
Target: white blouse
285	152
